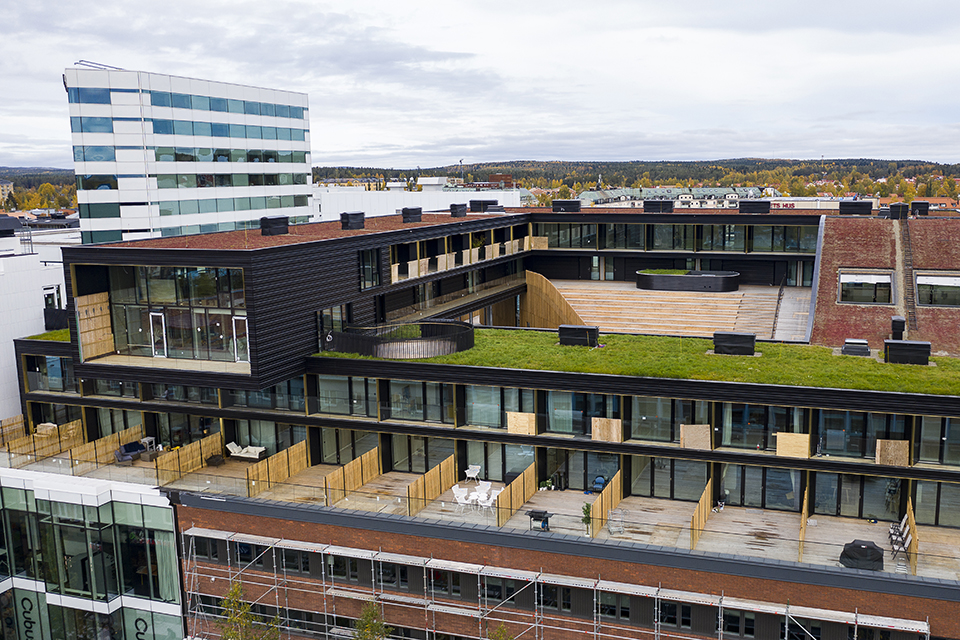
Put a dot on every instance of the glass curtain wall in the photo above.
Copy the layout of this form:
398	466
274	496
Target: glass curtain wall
667	478
856	496
761	487
194	313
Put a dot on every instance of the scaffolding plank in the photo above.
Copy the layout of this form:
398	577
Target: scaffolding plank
567	581
351	595
208	533
313	547
630	589
347	552
510	574
263	541
397	558
451	565
457	611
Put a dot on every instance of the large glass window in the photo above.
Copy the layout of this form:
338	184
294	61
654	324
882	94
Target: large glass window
651	419
369	268
50	373
193	312
940	291
866	288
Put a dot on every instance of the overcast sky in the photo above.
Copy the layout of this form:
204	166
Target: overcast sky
426	83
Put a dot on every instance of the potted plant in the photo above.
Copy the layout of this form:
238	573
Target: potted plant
586	519
546	485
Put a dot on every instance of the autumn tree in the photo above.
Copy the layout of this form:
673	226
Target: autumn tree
500	633
370	624
240	622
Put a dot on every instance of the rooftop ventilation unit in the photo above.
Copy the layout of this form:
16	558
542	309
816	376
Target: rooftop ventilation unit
351	220
274	226
658	206
579	335
919	208
856	208
479	206
754	206
458	210
899	211
906	352
566	206
733	343
411	214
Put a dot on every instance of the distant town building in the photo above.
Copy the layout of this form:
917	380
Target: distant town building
6	188
684	197
158	155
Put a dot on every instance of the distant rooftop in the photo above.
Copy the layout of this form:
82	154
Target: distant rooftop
252	239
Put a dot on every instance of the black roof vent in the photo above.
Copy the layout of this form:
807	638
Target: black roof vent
754	206
899	210
274	226
566	206
411	214
458	210
351	220
919	208
479	206
856	208
658	206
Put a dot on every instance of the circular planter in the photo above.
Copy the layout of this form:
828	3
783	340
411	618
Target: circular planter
692	281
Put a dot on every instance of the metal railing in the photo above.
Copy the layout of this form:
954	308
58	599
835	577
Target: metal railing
403	341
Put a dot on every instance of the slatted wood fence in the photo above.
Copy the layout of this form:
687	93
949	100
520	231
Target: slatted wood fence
804	516
516	493
92	455
352	476
608	499
276	469
701	514
12	428
173	465
913	550
43	444
431	485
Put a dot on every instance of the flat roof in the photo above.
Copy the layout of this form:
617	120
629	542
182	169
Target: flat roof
300	233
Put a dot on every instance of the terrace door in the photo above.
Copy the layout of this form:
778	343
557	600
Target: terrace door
158	334
240	339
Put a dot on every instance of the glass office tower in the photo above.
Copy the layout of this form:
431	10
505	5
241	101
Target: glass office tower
158	155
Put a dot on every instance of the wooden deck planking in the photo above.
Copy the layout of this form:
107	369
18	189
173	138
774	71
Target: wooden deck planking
751	532
387	493
445	507
826	536
655	521
306	486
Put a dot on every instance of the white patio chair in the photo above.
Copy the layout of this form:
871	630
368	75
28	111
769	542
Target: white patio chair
473	473
463	500
897	531
486	503
484	486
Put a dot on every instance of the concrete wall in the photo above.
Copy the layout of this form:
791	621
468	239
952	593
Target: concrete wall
332	201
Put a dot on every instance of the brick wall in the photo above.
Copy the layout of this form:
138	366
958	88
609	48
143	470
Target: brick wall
848	243
944	616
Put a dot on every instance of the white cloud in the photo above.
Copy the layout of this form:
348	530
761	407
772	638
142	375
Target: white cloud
428	83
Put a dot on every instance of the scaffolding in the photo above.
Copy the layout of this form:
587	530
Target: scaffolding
485	615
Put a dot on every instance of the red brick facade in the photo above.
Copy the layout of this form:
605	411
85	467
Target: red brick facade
944	616
870	243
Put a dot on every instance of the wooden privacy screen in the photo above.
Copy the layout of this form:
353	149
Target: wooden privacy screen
11	428
544	306
517	492
93	324
701	514
45	443
351	476
173	465
696	436
431	485
607	429
914	549
522	423
90	456
793	445
895	453
804	514
276	469
608	499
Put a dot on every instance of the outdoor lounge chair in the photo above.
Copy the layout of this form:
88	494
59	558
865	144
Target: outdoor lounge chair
472	473
245	453
902	546
129	451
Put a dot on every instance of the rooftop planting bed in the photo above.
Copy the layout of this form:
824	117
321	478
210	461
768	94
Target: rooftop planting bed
686	358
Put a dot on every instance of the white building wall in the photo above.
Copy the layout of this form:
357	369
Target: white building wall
22	279
330	202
